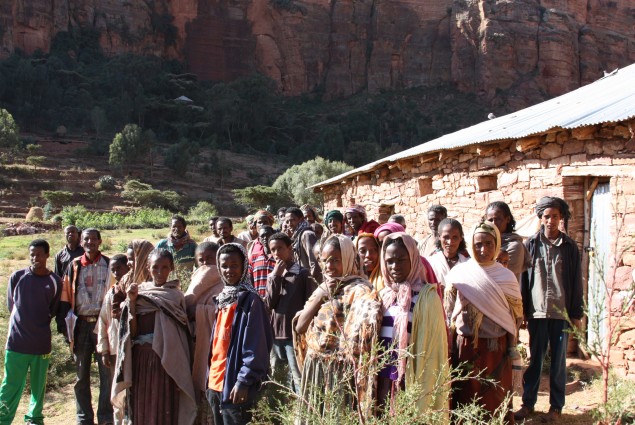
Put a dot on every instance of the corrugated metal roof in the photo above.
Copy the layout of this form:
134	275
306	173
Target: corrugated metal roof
609	99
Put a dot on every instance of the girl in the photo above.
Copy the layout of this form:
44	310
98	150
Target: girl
335	332
449	248
153	354
413	320
368	250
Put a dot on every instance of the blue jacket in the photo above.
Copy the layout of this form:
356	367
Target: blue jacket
249	347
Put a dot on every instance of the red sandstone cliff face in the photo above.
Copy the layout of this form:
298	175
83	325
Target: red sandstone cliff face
525	49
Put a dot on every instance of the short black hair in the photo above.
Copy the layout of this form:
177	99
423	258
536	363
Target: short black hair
214	218
269	229
180	218
161	253
92	230
225	220
296	212
282	210
231	248
119	258
281	237
204	246
40	243
438	209
398	218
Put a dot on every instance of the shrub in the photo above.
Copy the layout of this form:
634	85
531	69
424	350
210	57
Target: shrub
144	218
143	194
106	183
255	197
36	161
57	198
201	212
9	131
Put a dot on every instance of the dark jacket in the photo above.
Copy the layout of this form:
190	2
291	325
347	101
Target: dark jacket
571	271
249	347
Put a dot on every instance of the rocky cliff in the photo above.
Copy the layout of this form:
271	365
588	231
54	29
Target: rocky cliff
525	50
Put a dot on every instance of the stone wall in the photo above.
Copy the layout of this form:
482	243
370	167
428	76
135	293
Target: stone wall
564	163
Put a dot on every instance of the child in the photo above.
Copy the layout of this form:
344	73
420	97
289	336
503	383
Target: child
289	286
503	258
108	321
241	341
33	296
154	333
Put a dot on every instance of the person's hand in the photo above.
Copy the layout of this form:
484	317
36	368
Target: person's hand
328	286
133	291
279	268
238	395
105	359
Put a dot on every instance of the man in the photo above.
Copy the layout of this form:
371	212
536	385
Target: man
179	243
71	250
33	296
281	214
212	226
224	227
251	234
85	285
428	245
358	222
261	218
304	239
261	266
552	292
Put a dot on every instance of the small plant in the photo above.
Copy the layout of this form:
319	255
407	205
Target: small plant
201	212
36	161
106	183
57	198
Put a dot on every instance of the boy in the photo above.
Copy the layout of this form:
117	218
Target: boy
33	296
241	342
503	258
289	286
108	321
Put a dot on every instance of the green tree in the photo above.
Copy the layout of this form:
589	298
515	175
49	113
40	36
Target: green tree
99	120
294	183
127	147
255	197
57	198
178	157
9	130
36	161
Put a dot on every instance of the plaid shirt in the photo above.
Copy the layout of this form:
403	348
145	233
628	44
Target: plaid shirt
259	269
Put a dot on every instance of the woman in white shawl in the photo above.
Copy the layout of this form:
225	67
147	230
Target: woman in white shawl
450	249
486	309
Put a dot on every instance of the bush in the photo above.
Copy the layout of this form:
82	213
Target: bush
201	213
106	183
143	194
57	198
9	131
255	197
144	218
36	161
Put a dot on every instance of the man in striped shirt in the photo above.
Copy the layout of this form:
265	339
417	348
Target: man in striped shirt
261	266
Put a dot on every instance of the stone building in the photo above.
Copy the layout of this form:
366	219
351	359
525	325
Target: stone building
579	146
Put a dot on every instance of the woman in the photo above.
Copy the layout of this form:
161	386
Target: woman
335	333
367	248
413	320
449	247
310	214
387	228
153	350
334	221
499	214
486	308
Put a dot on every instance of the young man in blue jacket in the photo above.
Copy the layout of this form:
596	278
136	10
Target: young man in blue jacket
33	297
241	342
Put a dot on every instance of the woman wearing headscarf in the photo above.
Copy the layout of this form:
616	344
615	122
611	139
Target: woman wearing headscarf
334	221
413	321
358	220
367	248
499	214
334	334
485	309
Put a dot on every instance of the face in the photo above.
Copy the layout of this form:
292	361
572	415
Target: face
308	216
231	267
206	258
262	221
72	236
355	220
130	257
91	242
212	225
38	257
118	269
397	262
551	220
335	227
503	259
450	238
223	229
177	229
160	269
332	261
281	216
291	221
434	218
382	235
369	253
263	237
280	250
484	247
498	218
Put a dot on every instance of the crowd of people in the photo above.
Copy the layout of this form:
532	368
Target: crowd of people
342	306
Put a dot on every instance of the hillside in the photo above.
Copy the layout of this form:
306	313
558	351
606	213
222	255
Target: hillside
69	168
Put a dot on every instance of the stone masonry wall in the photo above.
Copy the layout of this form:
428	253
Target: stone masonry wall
564	163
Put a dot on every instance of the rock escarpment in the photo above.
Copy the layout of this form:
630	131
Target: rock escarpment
525	50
